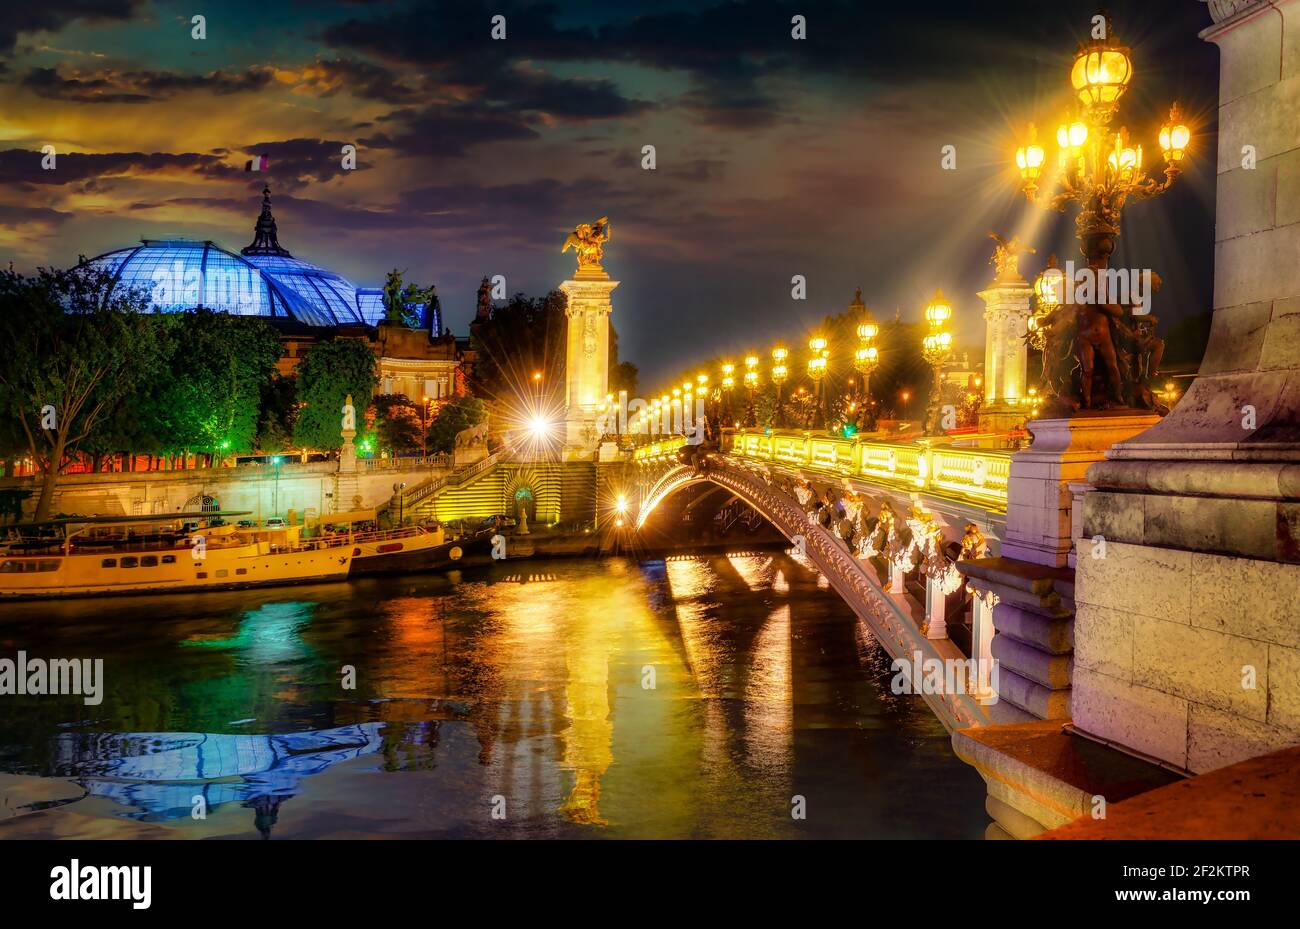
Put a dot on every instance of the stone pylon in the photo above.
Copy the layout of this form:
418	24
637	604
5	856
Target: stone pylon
1006	365
587	359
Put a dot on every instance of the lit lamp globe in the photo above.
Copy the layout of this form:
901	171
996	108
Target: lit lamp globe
938	311
1029	159
936	347
1101	73
779	370
865	359
1174	136
1049	289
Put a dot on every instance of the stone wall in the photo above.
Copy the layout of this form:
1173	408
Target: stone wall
1188	657
301	486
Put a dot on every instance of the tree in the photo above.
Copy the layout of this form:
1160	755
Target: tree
455	415
396	423
623	376
74	347
327	374
527	335
209	397
279	410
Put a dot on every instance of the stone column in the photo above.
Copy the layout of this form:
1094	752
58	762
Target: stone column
1006	318
981	623
1187	640
346	484
897	579
935	608
587	359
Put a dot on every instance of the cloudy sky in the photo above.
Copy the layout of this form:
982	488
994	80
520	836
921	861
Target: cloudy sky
775	157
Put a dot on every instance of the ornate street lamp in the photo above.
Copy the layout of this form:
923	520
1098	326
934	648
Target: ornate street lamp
1100	169
751	385
1097	167
936	348
817	364
865	361
779	374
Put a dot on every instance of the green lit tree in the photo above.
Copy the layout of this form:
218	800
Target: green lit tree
327	374
74	347
396	424
453	416
209	397
278	412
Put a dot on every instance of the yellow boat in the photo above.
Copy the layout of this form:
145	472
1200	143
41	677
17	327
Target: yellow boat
404	550
101	555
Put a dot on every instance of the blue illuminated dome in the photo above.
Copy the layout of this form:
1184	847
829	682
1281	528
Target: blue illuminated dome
263	280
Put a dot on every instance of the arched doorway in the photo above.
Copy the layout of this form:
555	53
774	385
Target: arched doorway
202	503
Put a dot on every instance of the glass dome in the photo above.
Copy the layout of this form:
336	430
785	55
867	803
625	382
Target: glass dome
182	274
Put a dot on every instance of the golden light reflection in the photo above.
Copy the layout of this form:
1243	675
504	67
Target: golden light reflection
754	570
768	693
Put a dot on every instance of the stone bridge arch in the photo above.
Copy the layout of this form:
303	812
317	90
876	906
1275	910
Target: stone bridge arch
889	615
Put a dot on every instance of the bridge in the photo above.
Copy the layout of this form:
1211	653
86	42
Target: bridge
883	522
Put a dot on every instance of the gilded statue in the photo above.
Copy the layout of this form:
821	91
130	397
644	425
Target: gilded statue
588	241
973	543
1006	256
1099	356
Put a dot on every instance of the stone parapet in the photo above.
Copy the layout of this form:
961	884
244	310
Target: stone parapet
1040	502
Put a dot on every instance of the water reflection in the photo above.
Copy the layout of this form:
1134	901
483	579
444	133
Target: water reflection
691	697
169	775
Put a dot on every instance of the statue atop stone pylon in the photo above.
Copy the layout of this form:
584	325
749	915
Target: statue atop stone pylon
588	241
1006	257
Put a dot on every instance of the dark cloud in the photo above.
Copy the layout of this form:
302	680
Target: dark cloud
22	167
18	16
450	131
109	86
560	97
452	41
17	217
363	79
294	163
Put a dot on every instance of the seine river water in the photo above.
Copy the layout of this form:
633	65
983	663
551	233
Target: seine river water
718	696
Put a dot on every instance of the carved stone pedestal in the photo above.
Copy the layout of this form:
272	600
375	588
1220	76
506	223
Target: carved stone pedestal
1039	499
586	360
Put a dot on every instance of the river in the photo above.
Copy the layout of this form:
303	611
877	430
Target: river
711	696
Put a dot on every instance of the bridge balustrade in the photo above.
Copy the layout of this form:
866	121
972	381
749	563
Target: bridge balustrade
665	448
977	475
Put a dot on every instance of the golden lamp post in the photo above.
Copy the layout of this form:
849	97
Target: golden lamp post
936	348
726	384
865	361
1097	167
817	364
751	385
779	373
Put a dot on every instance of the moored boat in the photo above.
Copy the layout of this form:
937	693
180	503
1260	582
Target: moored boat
99	556
404	550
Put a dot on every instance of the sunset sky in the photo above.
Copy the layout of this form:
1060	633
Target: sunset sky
775	157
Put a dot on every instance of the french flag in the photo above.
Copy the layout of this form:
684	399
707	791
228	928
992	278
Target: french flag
257	164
